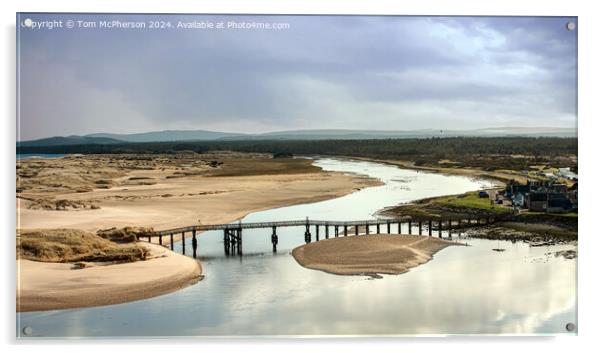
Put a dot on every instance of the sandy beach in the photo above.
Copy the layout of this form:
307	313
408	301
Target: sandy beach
96	192
154	198
51	286
369	255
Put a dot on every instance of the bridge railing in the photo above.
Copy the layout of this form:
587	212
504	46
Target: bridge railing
305	222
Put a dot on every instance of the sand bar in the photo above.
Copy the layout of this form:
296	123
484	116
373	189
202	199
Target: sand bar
369	255
51	286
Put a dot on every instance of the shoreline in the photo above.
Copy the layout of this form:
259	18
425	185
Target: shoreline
43	286
499	180
168	203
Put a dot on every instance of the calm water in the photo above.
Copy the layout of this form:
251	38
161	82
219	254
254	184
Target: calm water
39	155
464	290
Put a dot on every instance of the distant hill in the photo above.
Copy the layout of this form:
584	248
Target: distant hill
332	134
167	136
68	141
396	134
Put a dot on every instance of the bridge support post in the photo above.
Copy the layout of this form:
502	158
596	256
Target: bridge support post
345	231
183	243
161	239
367	229
440	231
171	241
232	235
430	228
194	243
356	229
327	231
274	239
377	228
307	234
399	228
410	227
336	231
388	227
449	231
226	242
149	238
239	241
317	230
420	227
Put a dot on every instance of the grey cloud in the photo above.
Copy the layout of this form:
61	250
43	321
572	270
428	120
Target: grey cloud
324	72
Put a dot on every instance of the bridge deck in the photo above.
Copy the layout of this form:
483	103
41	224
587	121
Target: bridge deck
292	223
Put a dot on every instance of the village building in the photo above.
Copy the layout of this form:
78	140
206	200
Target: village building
542	197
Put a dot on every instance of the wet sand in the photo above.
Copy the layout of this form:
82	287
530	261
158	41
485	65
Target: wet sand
369	255
51	286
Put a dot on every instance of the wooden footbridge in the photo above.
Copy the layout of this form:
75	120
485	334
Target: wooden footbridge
233	231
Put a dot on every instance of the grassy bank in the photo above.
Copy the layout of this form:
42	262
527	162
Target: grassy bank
470	201
525	226
71	245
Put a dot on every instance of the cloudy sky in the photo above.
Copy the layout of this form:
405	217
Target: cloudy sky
323	72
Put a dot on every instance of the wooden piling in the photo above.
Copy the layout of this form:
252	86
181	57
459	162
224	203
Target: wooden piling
307	233
430	228
440	231
239	241
194	243
183	243
420	227
398	227
377	228
274	239
171	241
388	227
410	226
336	231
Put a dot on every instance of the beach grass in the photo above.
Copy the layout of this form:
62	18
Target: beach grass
71	245
264	166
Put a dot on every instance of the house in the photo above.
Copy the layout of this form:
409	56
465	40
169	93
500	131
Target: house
559	205
514	189
558	188
566	173
537	201
519	200
538	196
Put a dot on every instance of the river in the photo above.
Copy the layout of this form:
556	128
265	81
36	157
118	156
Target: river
463	290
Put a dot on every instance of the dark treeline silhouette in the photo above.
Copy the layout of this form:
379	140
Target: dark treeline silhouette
494	152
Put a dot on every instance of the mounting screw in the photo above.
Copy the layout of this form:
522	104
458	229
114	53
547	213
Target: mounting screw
27	330
571	25
570	327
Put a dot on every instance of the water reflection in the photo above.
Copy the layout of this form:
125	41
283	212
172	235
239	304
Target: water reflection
463	290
